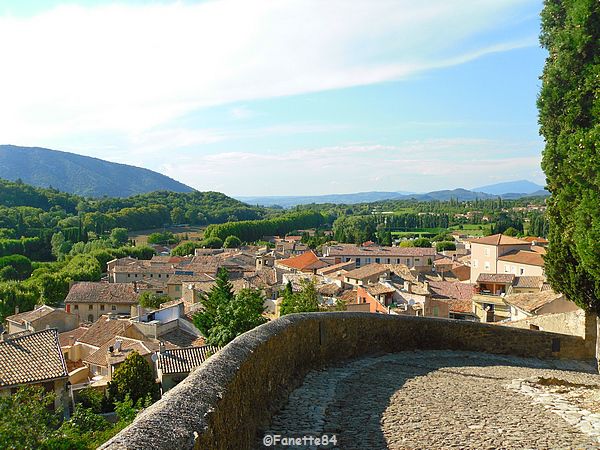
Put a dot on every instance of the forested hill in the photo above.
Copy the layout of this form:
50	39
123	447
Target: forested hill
26	210
82	175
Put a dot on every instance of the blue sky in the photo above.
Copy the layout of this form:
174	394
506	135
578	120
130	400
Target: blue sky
293	97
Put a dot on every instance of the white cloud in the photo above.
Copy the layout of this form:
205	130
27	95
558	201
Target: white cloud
130	69
410	166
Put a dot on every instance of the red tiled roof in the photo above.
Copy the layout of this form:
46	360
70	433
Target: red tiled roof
103	330
451	290
506	278
524	257
498	239
370	270
65	337
184	360
99	292
539	240
306	260
31	358
30	316
351	250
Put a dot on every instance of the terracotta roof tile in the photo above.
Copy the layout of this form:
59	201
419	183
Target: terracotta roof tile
100	292
30	316
379	288
103	330
184	360
531	301
303	261
528	282
498	239
506	278
451	290
370	270
351	250
524	257
31	358
65	337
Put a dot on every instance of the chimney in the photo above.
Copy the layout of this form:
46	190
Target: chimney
135	286
161	347
426	285
16	309
71	340
407	287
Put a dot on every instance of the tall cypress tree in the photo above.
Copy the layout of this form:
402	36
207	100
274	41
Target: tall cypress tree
569	112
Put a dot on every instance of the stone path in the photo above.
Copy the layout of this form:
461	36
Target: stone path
445	399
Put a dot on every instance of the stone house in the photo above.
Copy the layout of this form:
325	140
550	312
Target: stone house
368	274
90	300
41	318
34	358
413	257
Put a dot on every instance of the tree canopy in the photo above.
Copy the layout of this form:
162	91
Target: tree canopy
225	315
569	117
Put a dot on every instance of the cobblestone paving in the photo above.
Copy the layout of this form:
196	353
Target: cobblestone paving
443	399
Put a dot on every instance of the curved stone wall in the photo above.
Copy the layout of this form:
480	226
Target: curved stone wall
233	395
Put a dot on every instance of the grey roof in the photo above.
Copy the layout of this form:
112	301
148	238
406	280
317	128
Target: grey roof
31	358
183	360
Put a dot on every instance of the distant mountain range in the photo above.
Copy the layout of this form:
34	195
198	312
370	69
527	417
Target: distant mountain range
82	175
507	190
522	186
288	201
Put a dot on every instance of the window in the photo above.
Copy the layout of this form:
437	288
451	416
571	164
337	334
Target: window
407	261
128	275
506	268
417	260
475	263
397	260
91	307
167	275
76	307
377	260
486	251
388	261
101	307
151	276
136	275
487	265
521	271
90	318
159	275
436	311
178	288
358	261
429	261
368	260
113	307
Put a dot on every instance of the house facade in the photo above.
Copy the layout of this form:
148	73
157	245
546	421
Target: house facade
90	300
486	253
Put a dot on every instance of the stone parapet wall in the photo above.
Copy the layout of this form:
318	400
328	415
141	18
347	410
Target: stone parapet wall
233	395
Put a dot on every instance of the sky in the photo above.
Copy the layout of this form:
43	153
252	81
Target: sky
281	97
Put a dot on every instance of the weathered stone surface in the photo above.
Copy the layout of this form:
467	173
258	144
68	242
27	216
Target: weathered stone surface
235	393
428	399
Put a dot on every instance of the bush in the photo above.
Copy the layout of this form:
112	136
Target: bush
90	398
151	300
20	264
445	245
232	242
422	242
